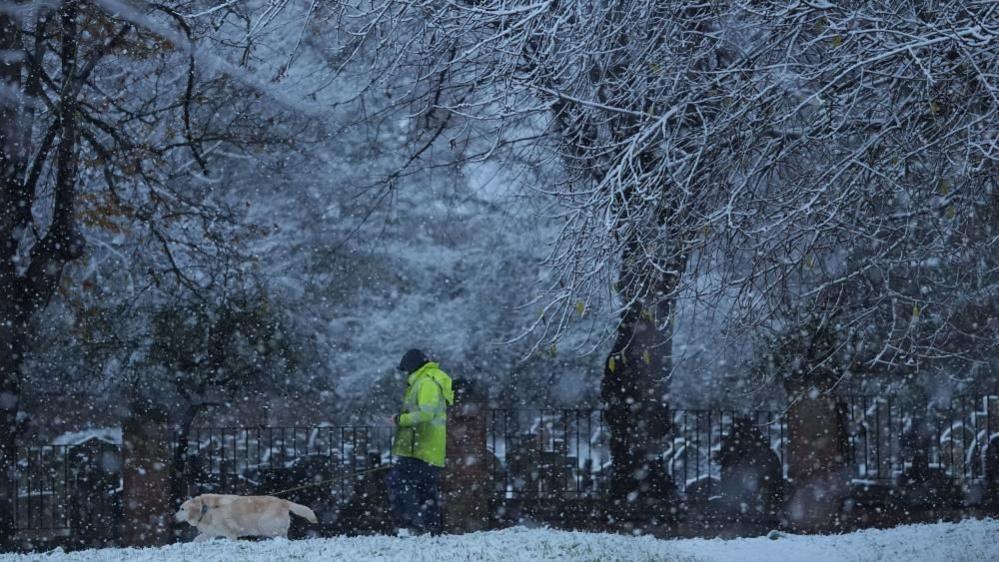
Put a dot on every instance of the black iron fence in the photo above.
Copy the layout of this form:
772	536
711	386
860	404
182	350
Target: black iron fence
43	494
543	452
890	436
270	459
69	490
75	490
533	453
546	452
566	451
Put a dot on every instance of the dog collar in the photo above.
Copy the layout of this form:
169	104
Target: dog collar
204	510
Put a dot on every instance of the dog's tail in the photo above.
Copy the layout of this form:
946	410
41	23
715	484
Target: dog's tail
302	511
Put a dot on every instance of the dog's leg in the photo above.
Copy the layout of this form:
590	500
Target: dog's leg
278	532
203	537
282	531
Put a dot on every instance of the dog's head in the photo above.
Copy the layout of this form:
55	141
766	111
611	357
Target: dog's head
190	510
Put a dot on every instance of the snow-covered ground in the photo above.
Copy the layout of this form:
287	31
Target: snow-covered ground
967	541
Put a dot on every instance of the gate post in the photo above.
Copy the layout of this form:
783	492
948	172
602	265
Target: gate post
466	475
817	453
148	513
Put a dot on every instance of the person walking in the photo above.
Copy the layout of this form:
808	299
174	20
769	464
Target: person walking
419	446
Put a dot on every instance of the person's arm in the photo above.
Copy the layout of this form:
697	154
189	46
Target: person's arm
428	404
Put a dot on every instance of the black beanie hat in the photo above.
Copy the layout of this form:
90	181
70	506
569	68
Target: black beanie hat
413	360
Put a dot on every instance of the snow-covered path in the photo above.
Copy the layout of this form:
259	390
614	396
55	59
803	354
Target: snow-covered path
968	541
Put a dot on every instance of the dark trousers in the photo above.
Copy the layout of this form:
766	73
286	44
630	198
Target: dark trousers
414	493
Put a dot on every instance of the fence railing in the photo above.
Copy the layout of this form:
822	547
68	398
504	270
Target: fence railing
61	487
566	451
534	453
541	452
695	445
42	488
889	436
259	460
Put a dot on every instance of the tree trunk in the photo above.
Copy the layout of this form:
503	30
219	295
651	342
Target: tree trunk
635	391
27	285
179	472
12	162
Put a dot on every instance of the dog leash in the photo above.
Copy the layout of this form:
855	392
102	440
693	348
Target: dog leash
336	479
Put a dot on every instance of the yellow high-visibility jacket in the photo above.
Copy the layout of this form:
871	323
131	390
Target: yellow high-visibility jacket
422	430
